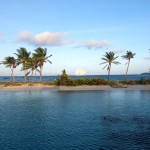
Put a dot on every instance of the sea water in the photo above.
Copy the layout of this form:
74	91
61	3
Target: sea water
75	120
51	78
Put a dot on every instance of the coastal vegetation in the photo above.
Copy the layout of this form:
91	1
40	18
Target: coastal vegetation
63	78
34	62
79	82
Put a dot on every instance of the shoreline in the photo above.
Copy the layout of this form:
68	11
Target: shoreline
71	88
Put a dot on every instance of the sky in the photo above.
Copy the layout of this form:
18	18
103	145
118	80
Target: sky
77	33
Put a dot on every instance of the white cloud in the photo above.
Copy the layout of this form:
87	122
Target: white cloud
93	44
24	37
43	39
80	72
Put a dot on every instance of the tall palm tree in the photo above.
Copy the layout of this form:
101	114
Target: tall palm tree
109	58
23	56
40	55
11	63
129	55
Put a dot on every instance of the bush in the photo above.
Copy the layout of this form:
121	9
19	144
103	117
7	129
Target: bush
63	78
142	81
113	83
86	81
55	82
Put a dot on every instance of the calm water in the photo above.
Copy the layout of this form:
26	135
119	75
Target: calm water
51	78
93	120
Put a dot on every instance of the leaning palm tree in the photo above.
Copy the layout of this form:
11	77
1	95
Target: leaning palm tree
11	63
109	58
40	55
31	65
23	56
129	55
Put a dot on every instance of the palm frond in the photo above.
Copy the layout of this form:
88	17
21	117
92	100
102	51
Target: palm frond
105	66
28	73
49	61
116	62
103	63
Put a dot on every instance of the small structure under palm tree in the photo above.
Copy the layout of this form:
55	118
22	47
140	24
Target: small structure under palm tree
11	63
109	58
129	55
41	57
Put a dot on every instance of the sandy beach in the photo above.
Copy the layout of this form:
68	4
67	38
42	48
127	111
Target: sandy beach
70	88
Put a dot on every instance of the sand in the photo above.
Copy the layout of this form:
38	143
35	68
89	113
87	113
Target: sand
69	88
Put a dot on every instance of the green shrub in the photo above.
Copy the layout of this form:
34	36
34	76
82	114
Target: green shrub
55	82
142	81
86	81
63	78
71	82
113	83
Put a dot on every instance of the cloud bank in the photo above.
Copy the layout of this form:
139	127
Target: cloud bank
93	44
43	39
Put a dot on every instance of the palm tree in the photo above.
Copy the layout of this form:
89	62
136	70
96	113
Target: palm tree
129	55
41	57
11	63
109	58
31	65
23	56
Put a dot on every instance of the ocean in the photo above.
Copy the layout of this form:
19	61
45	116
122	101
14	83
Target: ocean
75	120
51	78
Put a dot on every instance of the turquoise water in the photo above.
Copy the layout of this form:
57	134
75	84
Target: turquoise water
93	120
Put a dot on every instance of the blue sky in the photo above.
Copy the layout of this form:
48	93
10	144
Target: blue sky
77	33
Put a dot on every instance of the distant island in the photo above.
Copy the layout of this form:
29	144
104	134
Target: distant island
145	73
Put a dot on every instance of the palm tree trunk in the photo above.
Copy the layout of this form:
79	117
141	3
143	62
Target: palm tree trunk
109	67
41	69
11	76
31	76
35	74
25	72
25	77
127	68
